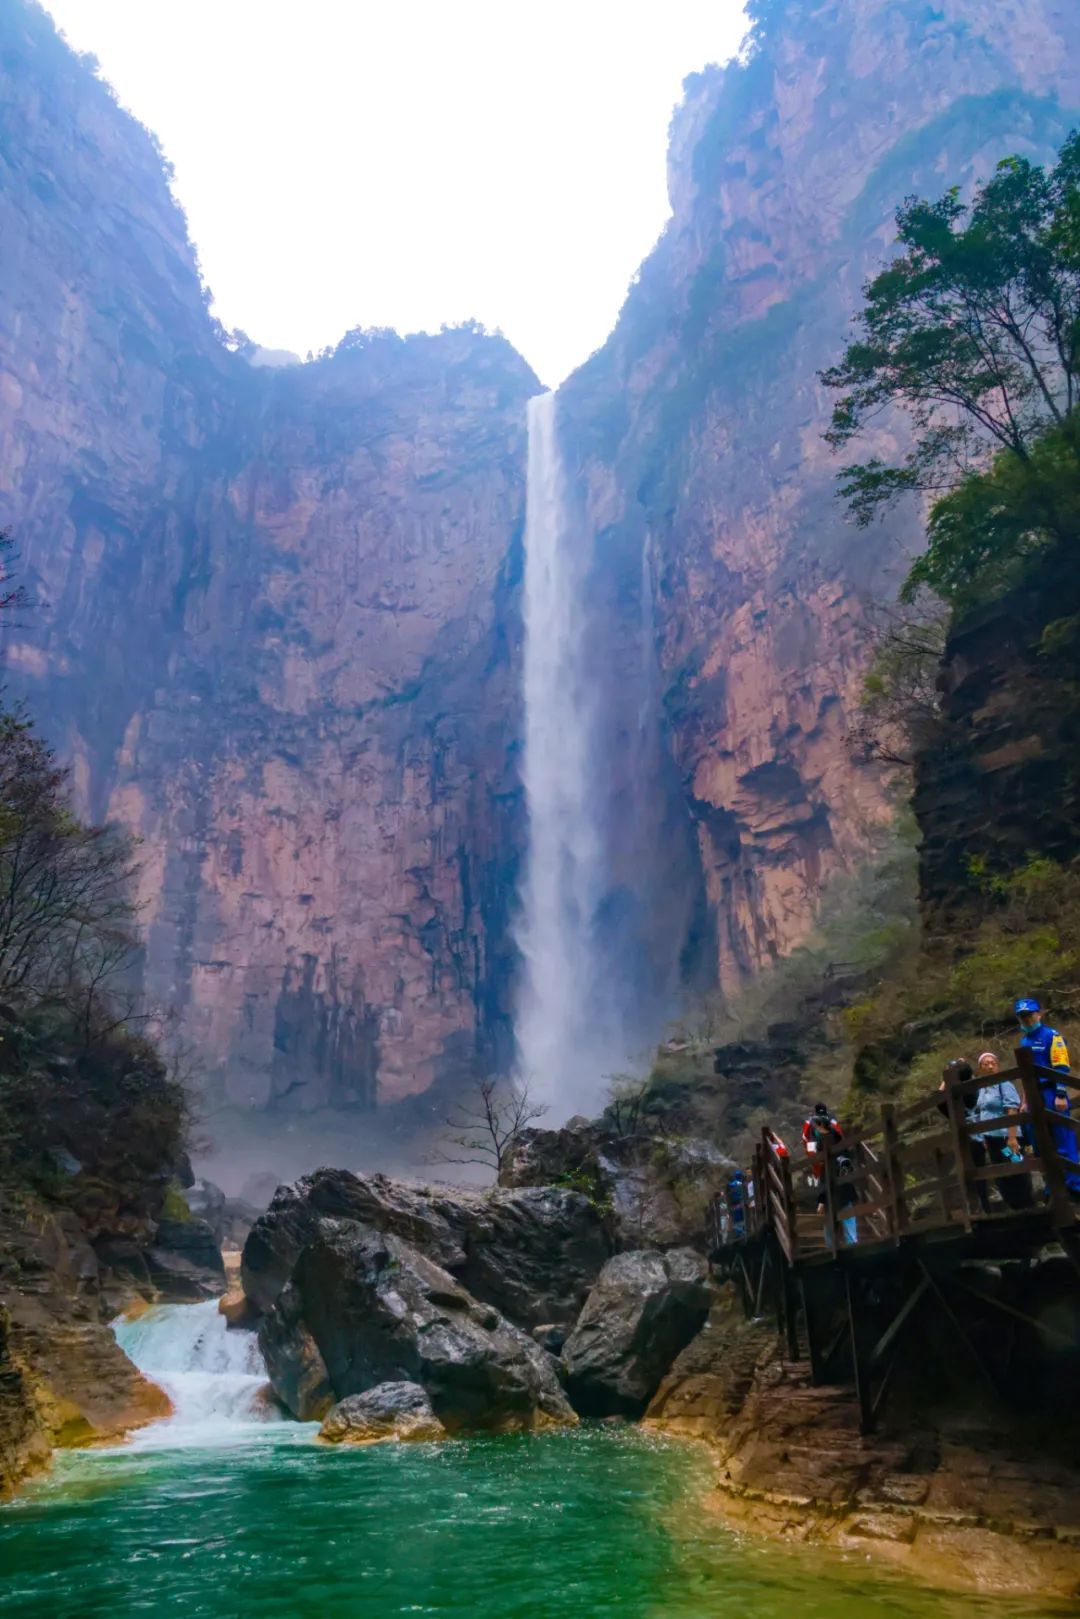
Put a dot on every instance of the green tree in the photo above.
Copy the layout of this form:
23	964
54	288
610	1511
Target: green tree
900	710
973	332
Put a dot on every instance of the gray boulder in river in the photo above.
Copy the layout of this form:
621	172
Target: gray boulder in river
185	1262
363	1307
643	1311
388	1411
533	1253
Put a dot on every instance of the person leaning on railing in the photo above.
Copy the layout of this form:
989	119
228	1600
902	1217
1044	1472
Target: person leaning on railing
1000	1146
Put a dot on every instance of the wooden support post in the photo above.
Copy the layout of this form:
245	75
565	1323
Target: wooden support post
791	1324
759	1298
829	1174
791	1213
860	1359
962	1158
814	1328
894	1172
1061	1209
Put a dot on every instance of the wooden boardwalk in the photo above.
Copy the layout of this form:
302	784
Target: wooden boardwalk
915	1193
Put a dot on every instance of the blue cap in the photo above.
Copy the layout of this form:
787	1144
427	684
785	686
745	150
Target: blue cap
1026	1005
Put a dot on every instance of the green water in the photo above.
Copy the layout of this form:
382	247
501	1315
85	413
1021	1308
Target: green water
574	1524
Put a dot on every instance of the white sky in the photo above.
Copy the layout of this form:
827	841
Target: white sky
409	162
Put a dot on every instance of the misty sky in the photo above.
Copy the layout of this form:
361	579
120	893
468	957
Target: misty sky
409	162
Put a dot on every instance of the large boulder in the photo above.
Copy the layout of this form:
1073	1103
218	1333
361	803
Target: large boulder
388	1411
185	1262
294	1364
376	1310
532	1253
644	1309
656	1188
229	1218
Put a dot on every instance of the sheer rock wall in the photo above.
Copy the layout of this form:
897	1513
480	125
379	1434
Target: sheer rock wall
697	430
276	622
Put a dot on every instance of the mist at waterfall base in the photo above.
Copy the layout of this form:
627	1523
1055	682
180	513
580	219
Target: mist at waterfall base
600	948
222	1510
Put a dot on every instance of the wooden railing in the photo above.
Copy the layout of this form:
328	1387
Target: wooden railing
914	1172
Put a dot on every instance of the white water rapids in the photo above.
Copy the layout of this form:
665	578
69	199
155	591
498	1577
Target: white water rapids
568	1036
213	1374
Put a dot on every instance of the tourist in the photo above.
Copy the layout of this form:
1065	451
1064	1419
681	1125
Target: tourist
736	1203
1050	1051
1000	1146
960	1072
819	1130
844	1196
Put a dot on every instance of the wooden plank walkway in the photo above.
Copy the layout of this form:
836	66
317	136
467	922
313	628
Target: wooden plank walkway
895	1210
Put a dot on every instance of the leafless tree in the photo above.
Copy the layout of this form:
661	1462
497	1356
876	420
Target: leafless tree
67	918
484	1128
628	1104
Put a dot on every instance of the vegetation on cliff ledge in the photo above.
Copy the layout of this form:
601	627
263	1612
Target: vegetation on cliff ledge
85	1097
973	333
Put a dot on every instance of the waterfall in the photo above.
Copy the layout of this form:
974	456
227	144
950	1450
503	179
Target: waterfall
568	1032
213	1374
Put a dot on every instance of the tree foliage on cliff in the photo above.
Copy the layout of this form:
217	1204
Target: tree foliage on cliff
73	1073
974	330
75	1076
66	912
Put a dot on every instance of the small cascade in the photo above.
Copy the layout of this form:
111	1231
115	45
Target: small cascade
214	1375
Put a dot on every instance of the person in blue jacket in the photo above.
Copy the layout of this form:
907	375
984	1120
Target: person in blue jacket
1050	1051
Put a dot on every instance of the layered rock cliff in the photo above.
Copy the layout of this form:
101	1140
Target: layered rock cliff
274	623
998	785
697	429
277	625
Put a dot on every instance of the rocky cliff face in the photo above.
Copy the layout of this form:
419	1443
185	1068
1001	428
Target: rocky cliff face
275	624
278	623
696	430
999	783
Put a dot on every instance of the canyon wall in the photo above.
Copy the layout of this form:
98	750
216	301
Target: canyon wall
274	629
277	624
997	783
696	430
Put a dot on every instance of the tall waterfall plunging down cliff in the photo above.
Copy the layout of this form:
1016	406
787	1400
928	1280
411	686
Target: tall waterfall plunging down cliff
568	1030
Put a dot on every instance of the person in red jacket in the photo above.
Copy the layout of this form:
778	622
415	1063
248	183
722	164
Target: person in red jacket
819	1129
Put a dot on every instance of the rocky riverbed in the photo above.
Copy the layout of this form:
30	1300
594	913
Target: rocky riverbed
393	1311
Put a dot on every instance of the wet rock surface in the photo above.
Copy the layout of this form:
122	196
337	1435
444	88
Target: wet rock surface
959	1495
184	1262
230	1218
294	1363
644	1308
532	1253
63	1380
376	1310
388	1411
